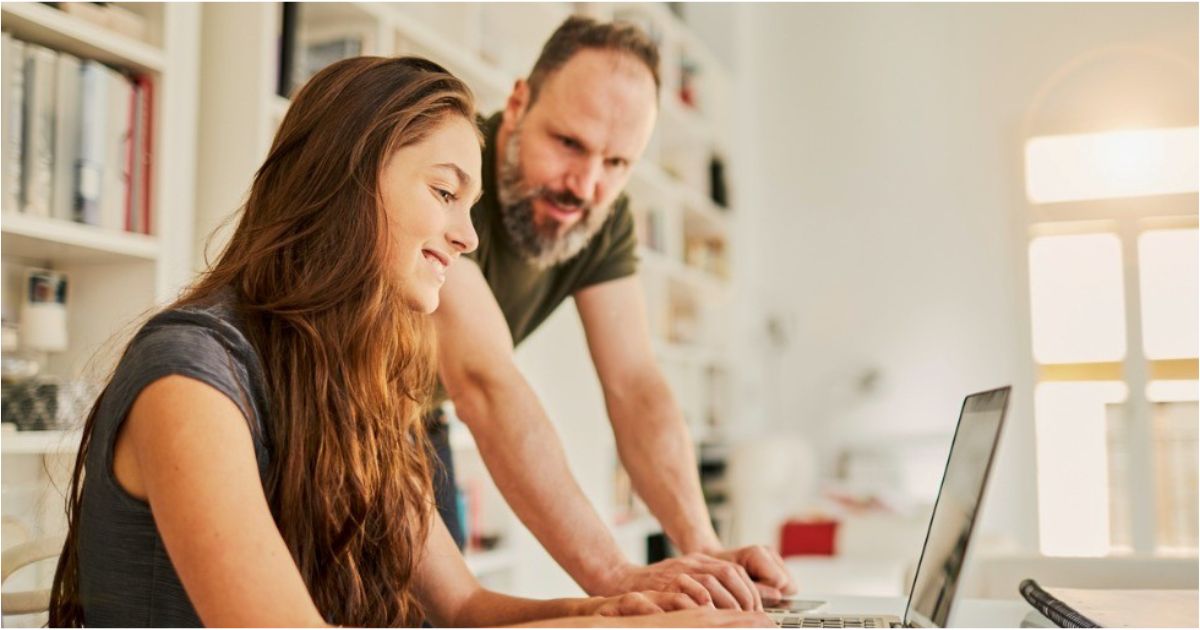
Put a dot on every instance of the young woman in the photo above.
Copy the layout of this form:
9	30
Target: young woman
257	458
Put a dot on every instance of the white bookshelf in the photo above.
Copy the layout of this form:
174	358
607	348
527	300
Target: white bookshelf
489	46
51	27
39	442
33	237
114	277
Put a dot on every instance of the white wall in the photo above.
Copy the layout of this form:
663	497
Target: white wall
887	195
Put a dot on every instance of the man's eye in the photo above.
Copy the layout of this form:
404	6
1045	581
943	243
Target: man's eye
616	163
569	143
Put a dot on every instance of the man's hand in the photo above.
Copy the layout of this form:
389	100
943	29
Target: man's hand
704	578
765	567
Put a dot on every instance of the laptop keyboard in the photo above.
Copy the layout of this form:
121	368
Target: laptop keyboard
830	622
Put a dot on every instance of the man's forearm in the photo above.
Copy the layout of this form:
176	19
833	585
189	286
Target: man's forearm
523	453
657	451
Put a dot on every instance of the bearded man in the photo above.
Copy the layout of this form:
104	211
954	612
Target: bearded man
552	223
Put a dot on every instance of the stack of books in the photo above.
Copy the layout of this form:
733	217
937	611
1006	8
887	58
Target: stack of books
76	139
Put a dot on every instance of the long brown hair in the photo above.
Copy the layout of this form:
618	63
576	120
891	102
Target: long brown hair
348	365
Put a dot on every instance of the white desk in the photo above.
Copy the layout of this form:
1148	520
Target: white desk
967	613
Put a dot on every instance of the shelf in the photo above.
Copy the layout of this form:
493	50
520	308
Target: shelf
675	27
492	561
654	261
65	241
477	73
705	209
50	27
364	13
686	119
653	176
39	442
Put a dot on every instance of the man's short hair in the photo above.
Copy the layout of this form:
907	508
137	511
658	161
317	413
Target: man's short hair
578	33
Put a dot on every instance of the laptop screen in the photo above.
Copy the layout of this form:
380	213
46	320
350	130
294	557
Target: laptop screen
954	512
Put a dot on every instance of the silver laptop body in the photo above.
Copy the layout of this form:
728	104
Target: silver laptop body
950	526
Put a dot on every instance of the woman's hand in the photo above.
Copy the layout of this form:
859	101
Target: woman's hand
638	603
700	617
653	609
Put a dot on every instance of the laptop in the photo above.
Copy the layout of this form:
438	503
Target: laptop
950	527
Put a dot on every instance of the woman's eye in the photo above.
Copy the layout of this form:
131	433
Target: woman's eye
446	195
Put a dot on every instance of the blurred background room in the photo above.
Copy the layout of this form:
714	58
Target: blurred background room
850	216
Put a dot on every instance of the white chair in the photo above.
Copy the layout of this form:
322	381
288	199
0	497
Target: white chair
24	554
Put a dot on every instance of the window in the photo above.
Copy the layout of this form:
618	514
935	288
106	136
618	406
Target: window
1113	307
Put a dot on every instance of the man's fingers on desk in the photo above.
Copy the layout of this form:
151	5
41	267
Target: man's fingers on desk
721	596
736	582
693	589
789	587
768	592
764	565
757	599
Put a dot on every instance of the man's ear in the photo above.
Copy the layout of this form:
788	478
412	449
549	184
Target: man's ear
518	100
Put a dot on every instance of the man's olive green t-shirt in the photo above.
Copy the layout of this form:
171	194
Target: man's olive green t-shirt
527	295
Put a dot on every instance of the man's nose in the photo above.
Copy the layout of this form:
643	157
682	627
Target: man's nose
584	178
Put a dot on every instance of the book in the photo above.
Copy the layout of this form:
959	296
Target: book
12	116
115	189
143	143
66	136
89	170
130	158
38	166
1104	608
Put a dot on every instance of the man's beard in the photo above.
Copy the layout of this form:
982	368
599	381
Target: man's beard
516	210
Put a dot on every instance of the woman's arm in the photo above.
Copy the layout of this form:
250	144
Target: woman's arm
194	460
452	597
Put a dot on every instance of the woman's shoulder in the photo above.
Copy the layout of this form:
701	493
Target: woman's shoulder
215	318
205	341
